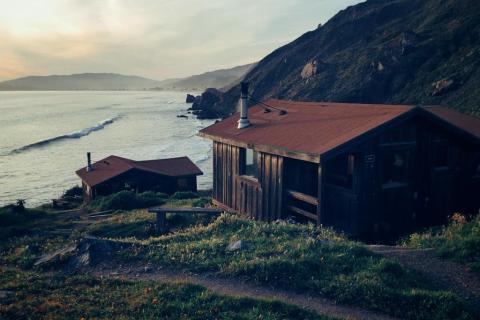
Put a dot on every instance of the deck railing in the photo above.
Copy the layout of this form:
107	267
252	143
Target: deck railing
299	196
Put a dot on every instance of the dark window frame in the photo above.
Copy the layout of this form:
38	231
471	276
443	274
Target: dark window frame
249	163
341	170
395	167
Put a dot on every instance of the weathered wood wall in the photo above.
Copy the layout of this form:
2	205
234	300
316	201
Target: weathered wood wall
225	169
271	178
260	198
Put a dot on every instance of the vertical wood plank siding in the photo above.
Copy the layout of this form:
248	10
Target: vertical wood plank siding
262	199
271	179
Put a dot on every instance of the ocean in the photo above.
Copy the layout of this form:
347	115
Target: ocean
44	136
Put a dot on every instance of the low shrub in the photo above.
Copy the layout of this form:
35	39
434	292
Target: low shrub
14	214
16	220
181	195
127	200
459	240
201	202
73	192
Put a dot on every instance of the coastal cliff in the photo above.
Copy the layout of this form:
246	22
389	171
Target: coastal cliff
395	51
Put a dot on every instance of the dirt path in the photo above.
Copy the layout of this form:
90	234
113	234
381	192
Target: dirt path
446	274
238	288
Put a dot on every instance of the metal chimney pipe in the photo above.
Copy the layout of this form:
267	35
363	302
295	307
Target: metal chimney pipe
89	162
243	122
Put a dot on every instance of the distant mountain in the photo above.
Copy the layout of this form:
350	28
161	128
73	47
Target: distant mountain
378	51
84	81
112	81
220	79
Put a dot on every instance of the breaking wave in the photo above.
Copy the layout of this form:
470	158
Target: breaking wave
73	135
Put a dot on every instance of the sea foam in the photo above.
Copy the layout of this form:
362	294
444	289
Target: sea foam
72	135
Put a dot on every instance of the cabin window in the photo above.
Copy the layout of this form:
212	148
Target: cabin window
301	176
251	163
340	171
440	156
395	168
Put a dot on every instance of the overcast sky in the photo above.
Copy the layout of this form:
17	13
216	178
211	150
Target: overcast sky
152	38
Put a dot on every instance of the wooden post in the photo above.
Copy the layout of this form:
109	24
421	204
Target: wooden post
320	193
161	222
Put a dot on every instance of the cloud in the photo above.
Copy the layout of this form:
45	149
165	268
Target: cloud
157	39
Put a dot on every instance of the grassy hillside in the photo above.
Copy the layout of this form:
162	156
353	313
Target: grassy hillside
298	258
302	258
83	297
393	51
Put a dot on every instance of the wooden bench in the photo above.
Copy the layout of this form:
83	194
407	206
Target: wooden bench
162	214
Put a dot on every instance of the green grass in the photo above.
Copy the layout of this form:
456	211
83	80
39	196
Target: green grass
127	200
459	240
302	258
141	224
82	297
26	235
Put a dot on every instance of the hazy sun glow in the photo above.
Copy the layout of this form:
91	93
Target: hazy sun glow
157	39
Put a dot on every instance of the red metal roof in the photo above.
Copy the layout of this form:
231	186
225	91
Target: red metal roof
460	120
308	127
315	128
113	166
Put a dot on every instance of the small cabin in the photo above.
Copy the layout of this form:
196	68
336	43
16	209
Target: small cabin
371	171
114	174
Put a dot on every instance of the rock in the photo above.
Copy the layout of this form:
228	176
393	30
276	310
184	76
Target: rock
309	70
207	100
190	98
88	251
56	255
236	246
443	86
380	67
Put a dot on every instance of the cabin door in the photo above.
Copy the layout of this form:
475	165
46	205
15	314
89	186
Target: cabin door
396	215
436	192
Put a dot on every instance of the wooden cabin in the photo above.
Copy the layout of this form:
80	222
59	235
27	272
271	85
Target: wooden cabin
371	171
114	174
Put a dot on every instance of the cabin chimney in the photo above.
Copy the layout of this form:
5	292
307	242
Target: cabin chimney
89	162
243	122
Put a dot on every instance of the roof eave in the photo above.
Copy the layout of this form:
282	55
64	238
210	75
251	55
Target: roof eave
299	155
367	135
450	126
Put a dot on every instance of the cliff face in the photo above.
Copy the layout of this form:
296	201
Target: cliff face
380	51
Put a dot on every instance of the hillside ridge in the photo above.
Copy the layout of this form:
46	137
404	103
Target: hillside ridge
419	52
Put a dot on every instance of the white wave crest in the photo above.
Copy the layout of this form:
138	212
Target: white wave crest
73	135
